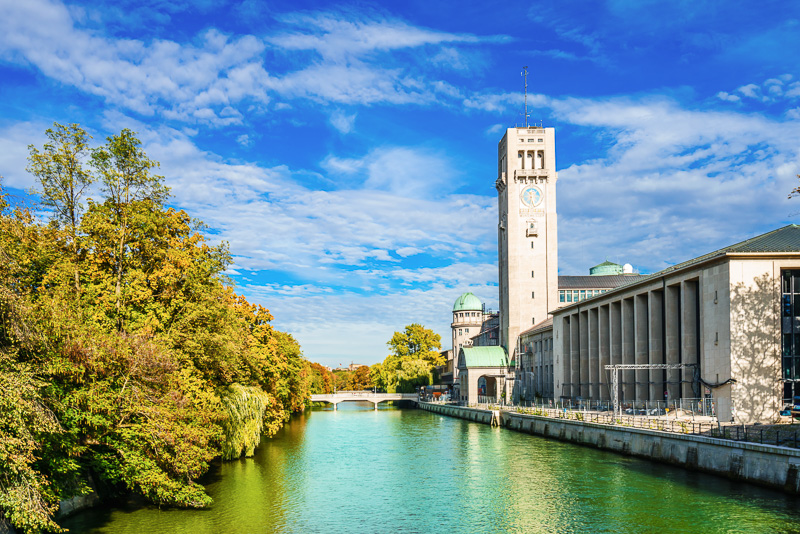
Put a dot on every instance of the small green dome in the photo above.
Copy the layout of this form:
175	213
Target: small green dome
605	268
467	302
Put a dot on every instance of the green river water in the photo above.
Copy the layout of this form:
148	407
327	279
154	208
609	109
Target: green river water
392	470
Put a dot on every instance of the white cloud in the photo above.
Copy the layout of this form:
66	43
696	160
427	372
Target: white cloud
14	140
208	80
772	90
722	95
196	83
341	37
343	123
675	182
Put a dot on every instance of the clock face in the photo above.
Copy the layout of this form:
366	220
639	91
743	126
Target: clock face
531	196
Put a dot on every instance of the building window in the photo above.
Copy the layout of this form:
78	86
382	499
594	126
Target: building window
531	274
466	330
575	295
459	332
531	244
790	333
583	294
569	296
561	297
541	140
533	320
532	296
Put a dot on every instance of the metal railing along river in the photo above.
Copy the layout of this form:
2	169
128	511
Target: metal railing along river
686	416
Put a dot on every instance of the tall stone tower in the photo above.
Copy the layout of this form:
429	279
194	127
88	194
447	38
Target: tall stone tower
527	231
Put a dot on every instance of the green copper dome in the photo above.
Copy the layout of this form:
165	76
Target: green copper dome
467	302
606	268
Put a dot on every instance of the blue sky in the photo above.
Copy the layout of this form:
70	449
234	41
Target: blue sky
347	152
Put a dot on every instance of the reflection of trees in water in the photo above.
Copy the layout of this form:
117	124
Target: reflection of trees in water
755	338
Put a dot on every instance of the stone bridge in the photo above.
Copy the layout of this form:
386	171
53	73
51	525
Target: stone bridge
374	398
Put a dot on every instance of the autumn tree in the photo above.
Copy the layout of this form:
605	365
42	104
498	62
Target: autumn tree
132	192
158	366
796	191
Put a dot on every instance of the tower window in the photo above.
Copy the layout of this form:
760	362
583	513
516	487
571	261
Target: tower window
532	295
531	274
533	320
531	244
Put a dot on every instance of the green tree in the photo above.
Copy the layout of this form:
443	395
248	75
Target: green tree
63	177
416	342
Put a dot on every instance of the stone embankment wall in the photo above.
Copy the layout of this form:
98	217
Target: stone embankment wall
767	465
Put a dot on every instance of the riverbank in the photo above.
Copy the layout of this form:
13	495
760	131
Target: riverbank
766	465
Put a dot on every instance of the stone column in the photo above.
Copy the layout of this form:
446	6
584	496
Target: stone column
472	378
628	378
564	358
584	354
641	343
672	312
656	349
594	356
615	333
574	351
690	320
604	350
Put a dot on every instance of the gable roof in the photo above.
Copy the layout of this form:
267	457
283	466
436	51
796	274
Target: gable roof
608	281
482	357
547	324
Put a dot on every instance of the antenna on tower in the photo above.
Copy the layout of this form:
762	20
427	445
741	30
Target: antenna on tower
525	74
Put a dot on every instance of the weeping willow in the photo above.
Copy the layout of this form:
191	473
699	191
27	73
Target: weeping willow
244	407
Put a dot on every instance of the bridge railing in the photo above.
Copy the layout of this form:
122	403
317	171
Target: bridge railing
366	394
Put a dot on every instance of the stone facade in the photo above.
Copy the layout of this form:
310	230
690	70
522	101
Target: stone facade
527	231
720	317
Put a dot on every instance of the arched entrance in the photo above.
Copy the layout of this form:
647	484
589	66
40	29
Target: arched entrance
487	387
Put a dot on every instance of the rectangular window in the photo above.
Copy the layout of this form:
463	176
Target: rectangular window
532	295
583	294
531	244
569	296
533	320
561	297
530	140
541	140
531	274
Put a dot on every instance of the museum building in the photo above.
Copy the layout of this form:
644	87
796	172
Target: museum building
724	326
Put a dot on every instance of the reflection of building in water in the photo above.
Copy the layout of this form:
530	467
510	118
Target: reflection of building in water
719	315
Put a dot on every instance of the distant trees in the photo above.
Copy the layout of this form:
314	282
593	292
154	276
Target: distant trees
124	354
414	355
322	380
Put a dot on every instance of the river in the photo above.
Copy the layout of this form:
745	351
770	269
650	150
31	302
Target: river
392	470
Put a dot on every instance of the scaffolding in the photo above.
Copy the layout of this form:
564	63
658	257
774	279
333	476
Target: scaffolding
616	368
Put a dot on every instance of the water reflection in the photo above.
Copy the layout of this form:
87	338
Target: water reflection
361	470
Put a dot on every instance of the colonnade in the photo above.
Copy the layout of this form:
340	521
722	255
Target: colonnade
654	326
530	159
